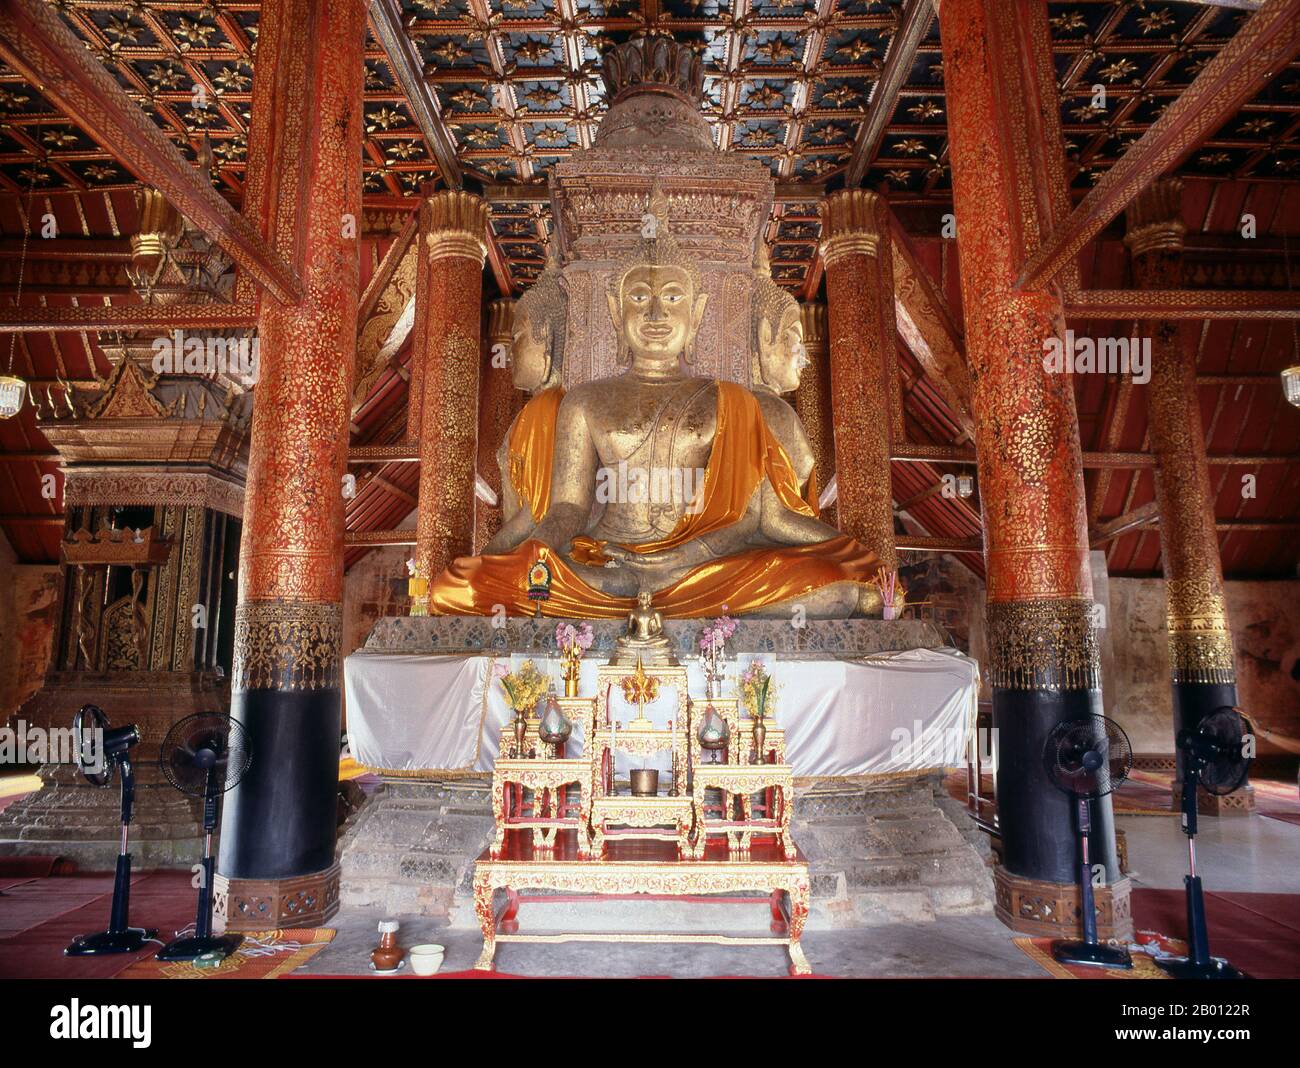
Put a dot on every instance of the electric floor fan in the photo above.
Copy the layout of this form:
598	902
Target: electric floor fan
100	749
1214	760
1088	758
204	755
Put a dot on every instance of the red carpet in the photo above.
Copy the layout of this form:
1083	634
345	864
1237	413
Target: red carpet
1150	793
1259	933
35	867
39	917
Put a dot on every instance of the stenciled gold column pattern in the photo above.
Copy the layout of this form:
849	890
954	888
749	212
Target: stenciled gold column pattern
498	404
449	350
1200	641
812	400
1041	633
288	628
860	308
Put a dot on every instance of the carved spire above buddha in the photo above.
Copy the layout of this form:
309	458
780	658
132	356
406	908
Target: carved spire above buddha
656	92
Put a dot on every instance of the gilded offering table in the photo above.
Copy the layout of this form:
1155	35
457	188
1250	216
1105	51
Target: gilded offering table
641	867
549	781
657	818
739	782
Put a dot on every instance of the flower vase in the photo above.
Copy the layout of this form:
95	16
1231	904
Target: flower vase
570	674
521	731
760	737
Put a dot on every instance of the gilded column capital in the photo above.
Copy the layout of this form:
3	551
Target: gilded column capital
850	224
1154	218
457	223
816	333
501	318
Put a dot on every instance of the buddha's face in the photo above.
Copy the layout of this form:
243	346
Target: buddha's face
781	353
658	314
530	360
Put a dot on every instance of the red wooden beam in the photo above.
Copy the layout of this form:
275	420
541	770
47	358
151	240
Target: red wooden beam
129	317
1183	304
1262	47
36	43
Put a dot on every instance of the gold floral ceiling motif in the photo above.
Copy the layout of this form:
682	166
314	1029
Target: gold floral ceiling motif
516	86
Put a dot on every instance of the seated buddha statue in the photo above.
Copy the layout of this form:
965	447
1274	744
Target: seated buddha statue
525	456
778	359
743	540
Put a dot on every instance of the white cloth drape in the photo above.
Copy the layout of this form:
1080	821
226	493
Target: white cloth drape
880	714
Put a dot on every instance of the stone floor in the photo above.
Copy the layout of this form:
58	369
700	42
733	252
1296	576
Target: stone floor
1253	854
948	947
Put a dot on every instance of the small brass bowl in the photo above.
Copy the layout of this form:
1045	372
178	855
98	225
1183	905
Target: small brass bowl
645	782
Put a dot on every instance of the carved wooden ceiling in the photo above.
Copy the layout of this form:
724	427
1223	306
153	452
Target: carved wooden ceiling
490	93
818	90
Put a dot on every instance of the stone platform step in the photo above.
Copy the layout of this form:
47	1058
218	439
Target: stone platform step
890	852
893	852
413	843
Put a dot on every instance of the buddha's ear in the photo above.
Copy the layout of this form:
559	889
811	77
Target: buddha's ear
765	335
697	312
615	311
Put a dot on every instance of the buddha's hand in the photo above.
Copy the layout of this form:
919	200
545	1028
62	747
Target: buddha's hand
659	562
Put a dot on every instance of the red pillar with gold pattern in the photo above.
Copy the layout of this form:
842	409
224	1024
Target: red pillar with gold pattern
277	866
1203	673
1043	655
860	307
812	400
449	353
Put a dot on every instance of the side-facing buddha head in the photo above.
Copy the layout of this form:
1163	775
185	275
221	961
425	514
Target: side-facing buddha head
539	331
656	297
776	333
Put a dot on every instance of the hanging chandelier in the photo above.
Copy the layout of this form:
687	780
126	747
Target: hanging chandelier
1291	384
13	390
1291	376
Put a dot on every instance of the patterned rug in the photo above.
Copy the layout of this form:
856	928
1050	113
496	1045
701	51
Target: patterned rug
1149	945
263	955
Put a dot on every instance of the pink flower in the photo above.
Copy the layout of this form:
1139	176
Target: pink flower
500	669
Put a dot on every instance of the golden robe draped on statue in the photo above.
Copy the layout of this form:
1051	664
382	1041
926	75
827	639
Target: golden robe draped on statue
744	453
532	448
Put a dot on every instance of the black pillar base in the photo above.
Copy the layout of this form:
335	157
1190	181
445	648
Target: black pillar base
1037	882
1037	821
279	822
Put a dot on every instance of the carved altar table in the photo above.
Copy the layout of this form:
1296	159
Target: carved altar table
738	784
549	780
636	868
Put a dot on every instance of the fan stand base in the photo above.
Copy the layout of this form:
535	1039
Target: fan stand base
1215	968
130	940
1091	954
192	948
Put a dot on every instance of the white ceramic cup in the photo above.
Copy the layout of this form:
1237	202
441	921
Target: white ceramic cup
425	959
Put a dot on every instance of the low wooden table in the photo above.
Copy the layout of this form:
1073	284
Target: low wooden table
642	867
548	780
648	818
743	781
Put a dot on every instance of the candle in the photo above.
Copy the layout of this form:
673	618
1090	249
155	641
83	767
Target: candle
672	753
